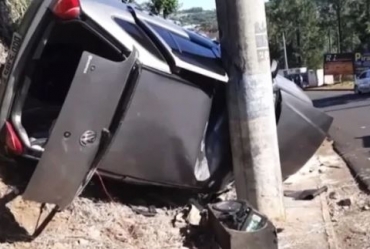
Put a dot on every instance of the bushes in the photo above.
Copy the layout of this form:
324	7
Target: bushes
11	13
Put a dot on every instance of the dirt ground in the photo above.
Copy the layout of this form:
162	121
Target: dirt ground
348	203
92	221
345	207
349	208
96	220
99	219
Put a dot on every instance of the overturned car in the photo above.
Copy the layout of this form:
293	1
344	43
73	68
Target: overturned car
101	85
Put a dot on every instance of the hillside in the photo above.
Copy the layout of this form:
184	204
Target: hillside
204	21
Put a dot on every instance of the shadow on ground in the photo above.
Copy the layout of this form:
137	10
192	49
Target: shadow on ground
198	237
365	141
16	176
16	179
106	190
339	100
10	230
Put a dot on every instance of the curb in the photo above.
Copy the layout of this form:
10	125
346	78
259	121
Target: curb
329	90
329	228
357	160
356	164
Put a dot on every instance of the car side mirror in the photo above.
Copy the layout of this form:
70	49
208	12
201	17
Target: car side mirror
274	68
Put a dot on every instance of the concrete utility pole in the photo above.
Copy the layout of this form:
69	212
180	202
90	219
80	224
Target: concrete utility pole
245	52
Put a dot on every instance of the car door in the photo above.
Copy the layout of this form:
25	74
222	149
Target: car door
83	129
361	78
84	126
367	79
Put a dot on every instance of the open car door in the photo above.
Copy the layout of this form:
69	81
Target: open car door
83	129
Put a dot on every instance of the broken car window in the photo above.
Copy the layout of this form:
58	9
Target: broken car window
139	36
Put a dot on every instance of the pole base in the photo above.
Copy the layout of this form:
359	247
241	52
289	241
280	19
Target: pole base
233	230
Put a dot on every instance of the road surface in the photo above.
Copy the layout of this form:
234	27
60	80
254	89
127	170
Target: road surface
351	127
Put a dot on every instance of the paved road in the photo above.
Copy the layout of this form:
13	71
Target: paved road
351	127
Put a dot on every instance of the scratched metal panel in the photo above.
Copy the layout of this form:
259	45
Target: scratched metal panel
88	109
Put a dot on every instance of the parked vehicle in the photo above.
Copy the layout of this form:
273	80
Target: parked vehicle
300	80
100	85
362	83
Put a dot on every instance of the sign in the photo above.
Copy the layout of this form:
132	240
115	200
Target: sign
338	64
14	47
361	62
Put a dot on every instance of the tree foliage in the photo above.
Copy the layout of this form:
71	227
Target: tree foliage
315	27
163	7
311	27
299	20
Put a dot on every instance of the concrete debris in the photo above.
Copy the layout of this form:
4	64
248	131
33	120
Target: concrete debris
194	217
333	195
366	208
94	233
308	194
83	242
179	221
358	230
345	202
145	211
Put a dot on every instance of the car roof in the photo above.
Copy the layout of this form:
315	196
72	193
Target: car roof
166	24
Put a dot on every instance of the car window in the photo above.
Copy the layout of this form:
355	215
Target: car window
191	48
368	75
191	52
139	36
165	35
201	40
362	76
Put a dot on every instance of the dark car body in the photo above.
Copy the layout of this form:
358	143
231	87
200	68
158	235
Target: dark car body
101	85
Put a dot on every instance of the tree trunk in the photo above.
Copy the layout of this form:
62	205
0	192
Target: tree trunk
298	35
329	41
340	34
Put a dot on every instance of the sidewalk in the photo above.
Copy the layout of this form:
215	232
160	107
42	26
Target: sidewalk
308	223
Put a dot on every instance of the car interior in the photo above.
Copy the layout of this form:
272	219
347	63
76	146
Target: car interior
48	80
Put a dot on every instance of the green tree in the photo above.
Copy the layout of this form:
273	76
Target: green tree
338	11
163	7
299	21
359	24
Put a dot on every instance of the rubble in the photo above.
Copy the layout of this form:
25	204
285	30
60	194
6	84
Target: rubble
333	195
194	217
345	202
366	208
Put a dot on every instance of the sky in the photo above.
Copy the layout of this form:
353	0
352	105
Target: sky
205	4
